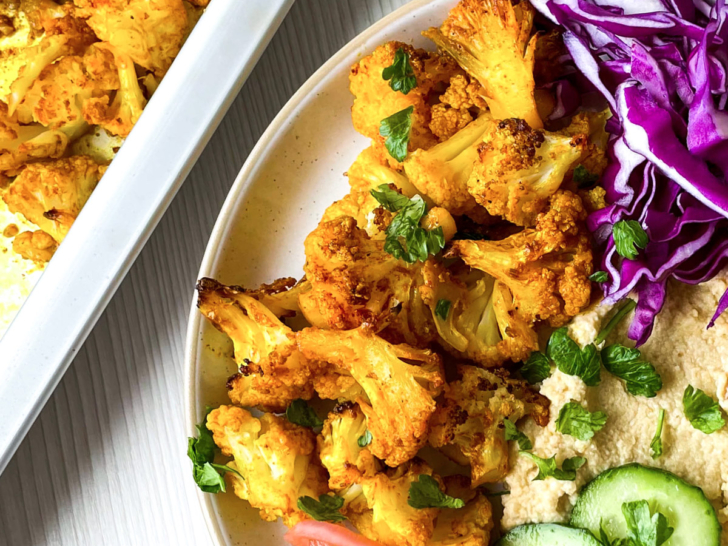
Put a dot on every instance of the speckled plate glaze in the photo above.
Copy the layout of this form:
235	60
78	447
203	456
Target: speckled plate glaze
292	175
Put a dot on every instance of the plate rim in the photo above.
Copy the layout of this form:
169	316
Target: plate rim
236	192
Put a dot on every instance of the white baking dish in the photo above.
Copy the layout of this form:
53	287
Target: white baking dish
292	175
127	205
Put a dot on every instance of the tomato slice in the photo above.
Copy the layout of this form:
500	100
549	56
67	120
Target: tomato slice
319	533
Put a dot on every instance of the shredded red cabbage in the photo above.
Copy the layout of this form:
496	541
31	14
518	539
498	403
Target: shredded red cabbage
662	66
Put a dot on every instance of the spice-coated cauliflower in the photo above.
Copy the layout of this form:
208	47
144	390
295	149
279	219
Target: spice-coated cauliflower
491	40
393	386
546	268
51	194
468	426
272	372
276	458
470	525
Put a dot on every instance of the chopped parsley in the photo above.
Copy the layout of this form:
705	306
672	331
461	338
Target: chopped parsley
512	433
643	527
536	368
406	239
396	131
628	237
365	439
327	508
547	467
656	443
640	377
442	309
578	422
300	413
400	73
583	178
572	360
702	411
625	309
425	493
599	277
201	450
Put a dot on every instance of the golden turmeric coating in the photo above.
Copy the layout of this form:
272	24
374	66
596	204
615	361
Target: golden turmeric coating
37	246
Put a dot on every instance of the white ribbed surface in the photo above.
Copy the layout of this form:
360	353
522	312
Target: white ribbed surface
105	463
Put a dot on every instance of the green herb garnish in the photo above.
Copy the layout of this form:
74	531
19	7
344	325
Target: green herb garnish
656	443
442	309
599	277
390	199
547	467
327	508
365	439
625	309
583	178
536	368
512	433
425	493
702	411
572	360
201	450
628	237
643	527
578	422
300	413
396	131
400	73
640	377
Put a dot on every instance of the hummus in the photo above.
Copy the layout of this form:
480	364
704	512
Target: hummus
683	352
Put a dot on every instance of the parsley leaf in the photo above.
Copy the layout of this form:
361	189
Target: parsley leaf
400	73
644	528
578	422
656	443
396	131
390	199
406	239
300	413
702	411
628	236
201	451
442	309
603	537
583	178
547	467
365	439
536	368
512	433
640	377
325	509
624	310
572	360
599	276
425	493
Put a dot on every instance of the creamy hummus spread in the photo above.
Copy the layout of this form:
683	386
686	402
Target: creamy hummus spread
683	352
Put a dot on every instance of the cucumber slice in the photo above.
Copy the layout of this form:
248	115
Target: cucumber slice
685	506
547	534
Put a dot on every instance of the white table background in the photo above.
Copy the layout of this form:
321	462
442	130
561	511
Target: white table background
106	461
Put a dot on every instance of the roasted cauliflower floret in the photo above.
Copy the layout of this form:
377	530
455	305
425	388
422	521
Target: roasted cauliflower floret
276	458
340	449
119	116
354	281
52	194
518	169
376	100
442	172
386	517
546	268
58	97
37	246
460	104
468	426
393	386
478	324
272	372
491	40
467	526
150	32
21	144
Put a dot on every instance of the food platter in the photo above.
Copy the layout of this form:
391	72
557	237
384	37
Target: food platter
123	211
278	197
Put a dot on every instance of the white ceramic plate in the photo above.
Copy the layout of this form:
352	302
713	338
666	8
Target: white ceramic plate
292	175
127	205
